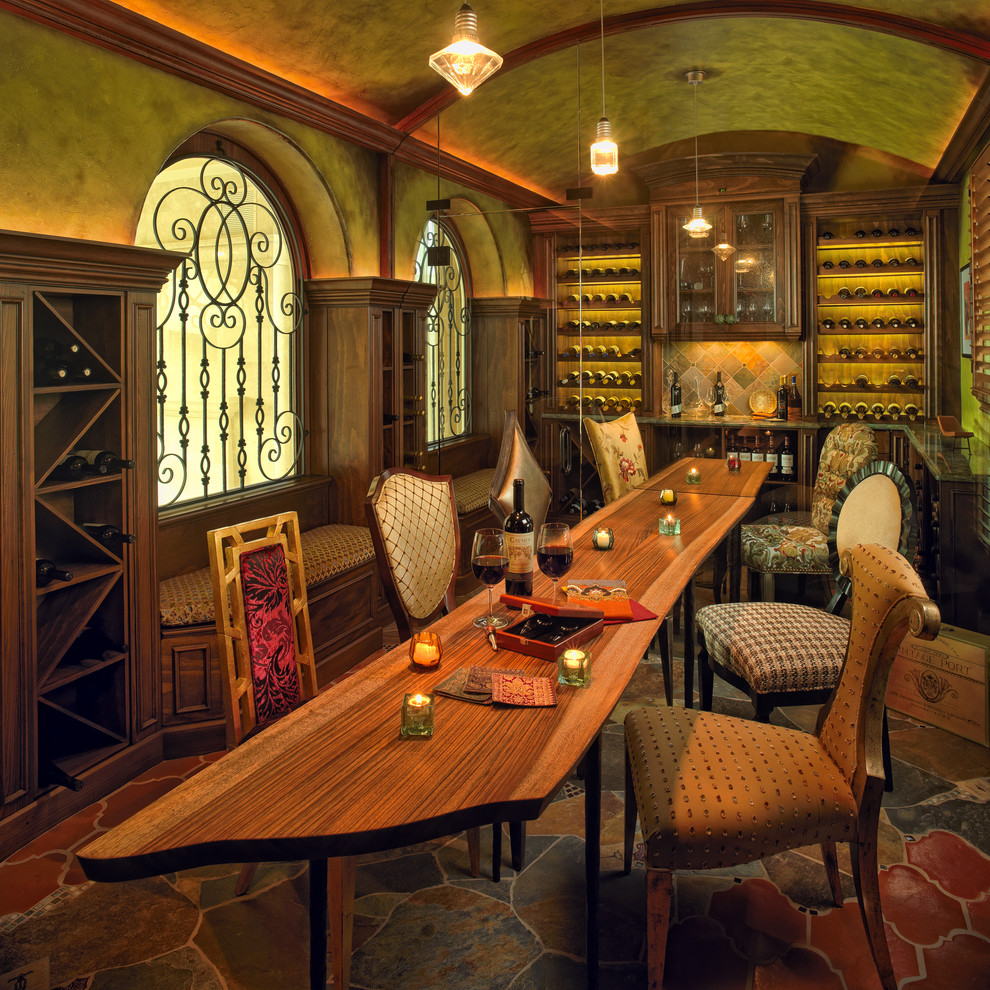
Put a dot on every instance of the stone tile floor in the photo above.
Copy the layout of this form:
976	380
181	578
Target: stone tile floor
421	921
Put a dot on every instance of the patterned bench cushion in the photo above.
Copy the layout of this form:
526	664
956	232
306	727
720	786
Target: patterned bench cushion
776	646
770	547
471	490
187	600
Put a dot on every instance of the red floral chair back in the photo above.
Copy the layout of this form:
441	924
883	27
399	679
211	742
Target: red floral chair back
262	618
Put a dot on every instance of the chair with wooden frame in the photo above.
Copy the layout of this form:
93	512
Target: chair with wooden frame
266	647
713	791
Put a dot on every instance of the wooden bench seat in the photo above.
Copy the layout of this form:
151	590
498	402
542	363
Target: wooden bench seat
345	614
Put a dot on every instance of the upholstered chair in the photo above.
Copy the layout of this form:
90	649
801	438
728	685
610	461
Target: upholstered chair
516	460
783	654
797	543
619	457
714	792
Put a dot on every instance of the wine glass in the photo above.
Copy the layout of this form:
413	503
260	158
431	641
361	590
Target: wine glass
490	562
555	552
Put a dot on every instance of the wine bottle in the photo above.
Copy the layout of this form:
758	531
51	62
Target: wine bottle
794	400
878	263
878	352
877	323
787	458
877	293
50	774
845	409
73	468
862	381
861	323
911	410
600	351
894	410
894	232
893	263
519	539
826	235
877	410
861	263
613	351
845	263
598	401
108	534
829	410
861	233
51	373
828	265
46	571
877	232
894	293
637	402
910	380
573	401
782	398
862	409
572	352
911	352
102	461
894	380
894	323
828	324
844	293
718	396
862	353
745	451
845	323
675	398
845	352
913	323
911	292
588	351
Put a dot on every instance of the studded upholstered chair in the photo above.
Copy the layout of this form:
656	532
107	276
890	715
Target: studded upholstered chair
619	457
788	654
516	460
797	543
713	791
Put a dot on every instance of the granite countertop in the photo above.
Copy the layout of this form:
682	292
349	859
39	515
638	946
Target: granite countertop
947	460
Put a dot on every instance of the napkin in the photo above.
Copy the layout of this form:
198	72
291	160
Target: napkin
520	689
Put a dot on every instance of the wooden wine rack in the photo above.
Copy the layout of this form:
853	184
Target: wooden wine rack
870	314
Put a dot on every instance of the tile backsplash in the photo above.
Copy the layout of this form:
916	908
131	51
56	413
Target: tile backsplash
745	365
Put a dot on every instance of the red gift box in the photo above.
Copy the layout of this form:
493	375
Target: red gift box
545	630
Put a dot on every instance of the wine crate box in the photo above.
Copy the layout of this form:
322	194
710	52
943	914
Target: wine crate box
944	682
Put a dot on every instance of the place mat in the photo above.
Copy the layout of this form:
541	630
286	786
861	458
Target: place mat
609	597
519	689
479	679
455	687
639	614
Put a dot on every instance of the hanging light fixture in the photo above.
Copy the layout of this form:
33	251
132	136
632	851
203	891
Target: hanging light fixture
697	226
465	63
723	249
604	152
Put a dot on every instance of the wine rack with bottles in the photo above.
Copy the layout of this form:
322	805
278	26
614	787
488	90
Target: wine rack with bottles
78	581
599	349
871	314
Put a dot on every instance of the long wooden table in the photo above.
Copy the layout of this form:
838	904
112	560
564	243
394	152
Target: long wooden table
334	779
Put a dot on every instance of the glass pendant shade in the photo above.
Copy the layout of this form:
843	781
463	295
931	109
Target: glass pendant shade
723	249
697	226
465	63
604	152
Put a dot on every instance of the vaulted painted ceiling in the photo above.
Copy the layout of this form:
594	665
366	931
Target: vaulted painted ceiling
882	83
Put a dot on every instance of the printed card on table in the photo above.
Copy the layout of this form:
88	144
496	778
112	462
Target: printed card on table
520	689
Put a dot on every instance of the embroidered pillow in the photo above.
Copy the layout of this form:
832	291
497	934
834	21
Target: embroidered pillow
619	455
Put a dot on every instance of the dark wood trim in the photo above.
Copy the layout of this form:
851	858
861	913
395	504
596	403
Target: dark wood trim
967	139
869	201
101	23
924	32
369	290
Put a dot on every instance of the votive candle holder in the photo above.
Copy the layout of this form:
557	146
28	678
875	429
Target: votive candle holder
668	496
574	668
602	538
694	477
425	650
670	525
417	715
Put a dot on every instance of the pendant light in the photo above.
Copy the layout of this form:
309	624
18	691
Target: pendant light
723	249
697	226
465	63
604	152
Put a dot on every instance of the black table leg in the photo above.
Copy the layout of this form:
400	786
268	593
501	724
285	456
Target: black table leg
689	644
592	849
319	919
735	564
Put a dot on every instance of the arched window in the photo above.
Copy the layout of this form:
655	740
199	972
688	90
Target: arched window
448	338
229	332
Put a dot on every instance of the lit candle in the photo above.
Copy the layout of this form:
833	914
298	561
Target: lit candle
601	538
418	701
574	668
425	650
417	715
668	496
573	659
669	525
694	477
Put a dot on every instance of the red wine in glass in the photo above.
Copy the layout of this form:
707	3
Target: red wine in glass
490	569
489	561
555	552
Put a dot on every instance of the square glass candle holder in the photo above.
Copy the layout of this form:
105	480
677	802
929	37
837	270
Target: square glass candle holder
670	525
417	715
574	668
425	650
694	477
668	497
734	462
602	538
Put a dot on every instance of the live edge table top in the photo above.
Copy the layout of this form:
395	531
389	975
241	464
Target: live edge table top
335	778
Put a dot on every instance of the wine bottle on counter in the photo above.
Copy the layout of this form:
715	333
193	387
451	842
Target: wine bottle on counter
108	534
782	398
793	400
787	458
718	396
46	571
519	544
102	461
675	398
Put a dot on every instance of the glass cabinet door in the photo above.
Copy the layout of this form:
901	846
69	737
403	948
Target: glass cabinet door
697	291
753	267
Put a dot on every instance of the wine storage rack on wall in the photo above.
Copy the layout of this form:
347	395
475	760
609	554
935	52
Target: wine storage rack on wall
599	340
871	334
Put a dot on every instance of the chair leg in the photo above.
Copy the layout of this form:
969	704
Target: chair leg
474	850
629	826
864	863
664	640
831	860
767	586
677	616
753	585
245	879
517	843
340	897
659	894
496	851
706	675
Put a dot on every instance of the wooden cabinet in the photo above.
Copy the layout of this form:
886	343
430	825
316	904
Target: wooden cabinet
79	670
751	201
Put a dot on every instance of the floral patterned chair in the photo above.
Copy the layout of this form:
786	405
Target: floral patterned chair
797	543
619	456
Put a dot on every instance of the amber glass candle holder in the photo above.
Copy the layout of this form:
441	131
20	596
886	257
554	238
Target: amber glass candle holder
602	538
694	477
574	668
425	650
668	497
670	525
417	715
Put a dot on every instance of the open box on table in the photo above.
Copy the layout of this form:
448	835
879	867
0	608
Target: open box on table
545	630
